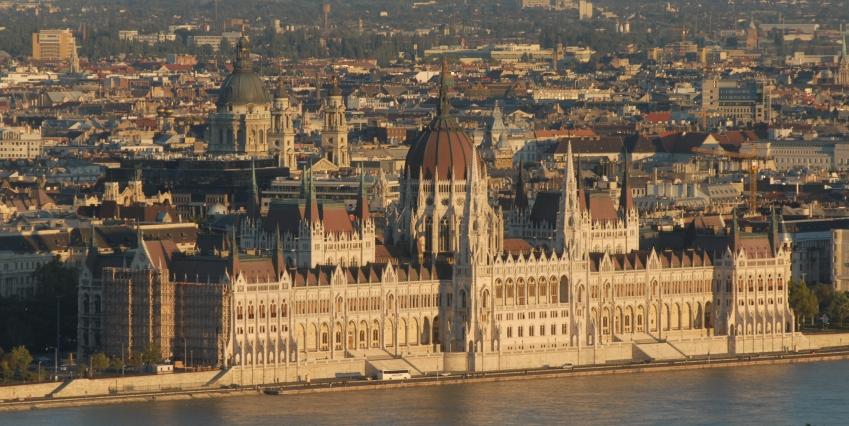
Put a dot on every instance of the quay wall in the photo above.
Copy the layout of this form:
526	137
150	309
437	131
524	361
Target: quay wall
427	363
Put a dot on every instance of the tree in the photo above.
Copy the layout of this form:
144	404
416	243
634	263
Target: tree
99	362
839	307
115	363
5	368
824	293
15	364
803	302
31	321
151	354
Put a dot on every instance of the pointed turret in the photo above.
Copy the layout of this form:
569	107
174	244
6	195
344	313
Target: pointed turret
362	200
573	179
626	198
305	189
444	107
521	198
774	230
92	240
254	206
569	214
735	232
233	256
312	202
279	259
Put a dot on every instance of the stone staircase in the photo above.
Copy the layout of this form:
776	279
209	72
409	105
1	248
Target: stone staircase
635	338
657	351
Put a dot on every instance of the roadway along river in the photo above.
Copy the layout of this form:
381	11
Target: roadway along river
815	393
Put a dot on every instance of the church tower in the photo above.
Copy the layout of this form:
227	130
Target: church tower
841	77
334	134
281	137
752	41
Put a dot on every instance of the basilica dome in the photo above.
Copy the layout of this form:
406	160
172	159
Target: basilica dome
243	86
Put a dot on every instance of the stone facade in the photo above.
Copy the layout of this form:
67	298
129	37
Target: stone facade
445	290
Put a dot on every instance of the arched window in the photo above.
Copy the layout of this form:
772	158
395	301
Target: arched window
261	311
250	311
444	236
273	310
564	289
239	313
463	299
521	291
428	234
86	304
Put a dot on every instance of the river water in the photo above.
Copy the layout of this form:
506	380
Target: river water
815	393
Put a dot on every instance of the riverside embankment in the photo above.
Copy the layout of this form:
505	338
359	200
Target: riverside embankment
833	354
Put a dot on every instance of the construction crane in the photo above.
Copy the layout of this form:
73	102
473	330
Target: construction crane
754	167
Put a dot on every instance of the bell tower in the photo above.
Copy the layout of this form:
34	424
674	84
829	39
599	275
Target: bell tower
281	137
334	134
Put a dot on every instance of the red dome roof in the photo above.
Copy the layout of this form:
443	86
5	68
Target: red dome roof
443	149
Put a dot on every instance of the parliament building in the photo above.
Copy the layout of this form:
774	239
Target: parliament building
314	287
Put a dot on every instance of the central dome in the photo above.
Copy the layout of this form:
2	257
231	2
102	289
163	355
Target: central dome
443	149
243	86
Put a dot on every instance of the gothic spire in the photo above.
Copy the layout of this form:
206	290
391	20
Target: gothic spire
362	201
312	201
626	199
573	178
254	207
304	185
774	230
735	231
279	259
521	197
444	107
234	253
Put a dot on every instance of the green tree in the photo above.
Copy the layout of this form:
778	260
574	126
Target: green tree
5	368
824	293
99	362
31	321
838	310
803	301
135	360
151	354
115	363
15	364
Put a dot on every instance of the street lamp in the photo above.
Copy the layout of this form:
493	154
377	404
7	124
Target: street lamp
56	349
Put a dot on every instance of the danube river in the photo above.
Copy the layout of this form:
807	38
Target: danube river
798	394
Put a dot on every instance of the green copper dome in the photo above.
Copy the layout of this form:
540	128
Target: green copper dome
243	86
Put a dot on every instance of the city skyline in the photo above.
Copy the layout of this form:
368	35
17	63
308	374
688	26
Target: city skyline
289	197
